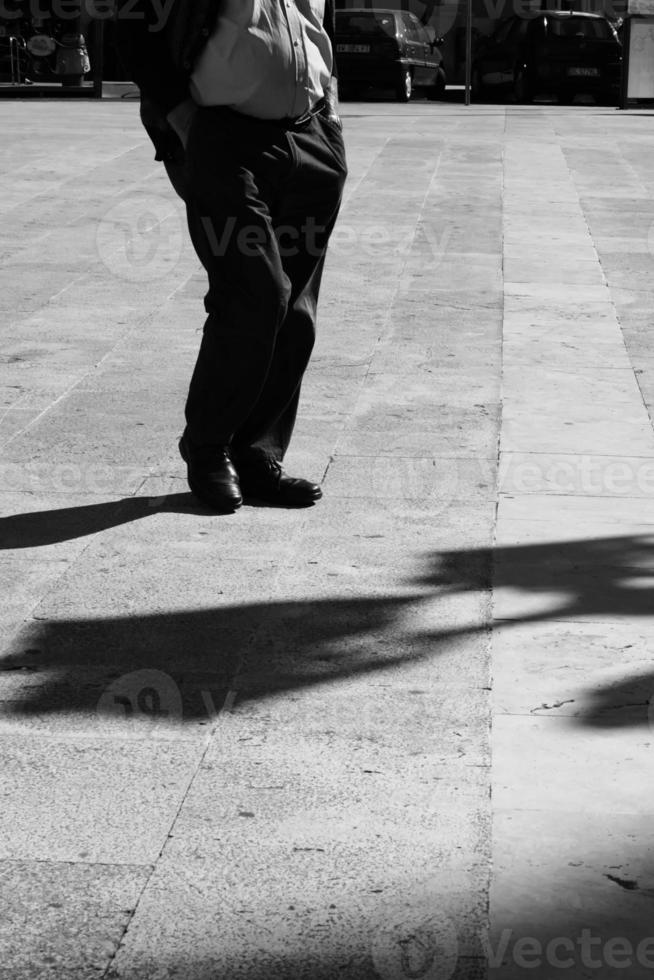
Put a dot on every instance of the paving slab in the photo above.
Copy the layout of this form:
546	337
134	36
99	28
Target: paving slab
355	936
23	584
92	800
587	772
445	431
589	511
568	904
572	602
433	483
570	474
600	675
62	919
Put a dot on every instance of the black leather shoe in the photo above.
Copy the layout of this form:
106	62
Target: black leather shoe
266	480
211	475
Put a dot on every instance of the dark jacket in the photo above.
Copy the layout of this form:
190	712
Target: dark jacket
160	53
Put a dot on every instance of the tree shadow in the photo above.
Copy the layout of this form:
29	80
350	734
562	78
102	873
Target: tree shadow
593	577
622	704
189	665
252	651
596	579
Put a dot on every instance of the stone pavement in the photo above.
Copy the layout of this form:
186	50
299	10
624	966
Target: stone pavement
260	746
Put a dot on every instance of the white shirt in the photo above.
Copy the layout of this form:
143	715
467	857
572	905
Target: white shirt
265	58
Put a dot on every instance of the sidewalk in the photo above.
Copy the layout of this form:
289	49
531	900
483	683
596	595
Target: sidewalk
338	742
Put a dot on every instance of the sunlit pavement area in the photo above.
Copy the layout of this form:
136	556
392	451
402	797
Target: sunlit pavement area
405	733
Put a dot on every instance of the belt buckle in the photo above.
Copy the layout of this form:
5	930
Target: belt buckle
307	116
304	118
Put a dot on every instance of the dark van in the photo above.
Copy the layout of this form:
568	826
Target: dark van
377	48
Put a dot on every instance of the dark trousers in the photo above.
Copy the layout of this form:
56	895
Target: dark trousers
262	199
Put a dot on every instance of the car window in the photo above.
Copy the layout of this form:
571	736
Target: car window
365	23
410	25
581	27
421	32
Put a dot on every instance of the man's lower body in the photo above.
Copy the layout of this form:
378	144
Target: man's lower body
262	199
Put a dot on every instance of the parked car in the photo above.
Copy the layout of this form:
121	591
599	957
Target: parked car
562	52
378	48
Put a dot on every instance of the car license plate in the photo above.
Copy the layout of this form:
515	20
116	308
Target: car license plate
584	72
353	48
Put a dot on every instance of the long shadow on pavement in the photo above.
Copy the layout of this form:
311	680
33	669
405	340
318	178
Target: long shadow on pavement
38	529
209	658
191	663
249	651
596	579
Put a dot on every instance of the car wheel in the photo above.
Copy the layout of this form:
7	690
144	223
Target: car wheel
521	87
404	88
566	97
437	90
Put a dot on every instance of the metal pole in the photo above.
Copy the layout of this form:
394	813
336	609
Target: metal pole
468	49
96	51
14	60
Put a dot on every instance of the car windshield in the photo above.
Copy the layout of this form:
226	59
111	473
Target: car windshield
365	23
586	27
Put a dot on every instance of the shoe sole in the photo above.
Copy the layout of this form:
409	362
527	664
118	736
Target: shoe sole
280	501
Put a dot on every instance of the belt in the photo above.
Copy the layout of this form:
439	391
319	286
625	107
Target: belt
297	122
288	122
